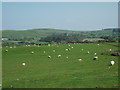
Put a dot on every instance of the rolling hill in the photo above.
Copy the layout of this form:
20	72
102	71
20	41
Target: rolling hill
38	33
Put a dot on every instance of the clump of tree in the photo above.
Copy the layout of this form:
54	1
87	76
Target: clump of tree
62	38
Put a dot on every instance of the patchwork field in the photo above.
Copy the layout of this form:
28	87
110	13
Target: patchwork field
63	72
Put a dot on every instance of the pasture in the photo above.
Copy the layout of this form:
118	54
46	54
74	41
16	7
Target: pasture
66	71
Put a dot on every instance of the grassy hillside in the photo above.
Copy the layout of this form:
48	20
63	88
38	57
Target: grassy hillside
38	33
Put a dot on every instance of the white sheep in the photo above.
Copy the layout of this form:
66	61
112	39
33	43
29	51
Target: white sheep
88	52
28	45
11	86
53	50
71	47
66	56
49	56
79	59
32	52
112	63
0	85
95	53
98	44
48	44
23	64
17	79
66	49
59	56
43	51
10	47
6	50
82	49
110	49
95	58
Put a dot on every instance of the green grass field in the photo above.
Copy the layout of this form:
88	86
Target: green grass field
43	72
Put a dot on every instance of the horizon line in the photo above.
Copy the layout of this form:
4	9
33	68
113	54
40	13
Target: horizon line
60	29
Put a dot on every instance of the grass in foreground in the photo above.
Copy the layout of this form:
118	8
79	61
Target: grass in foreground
42	72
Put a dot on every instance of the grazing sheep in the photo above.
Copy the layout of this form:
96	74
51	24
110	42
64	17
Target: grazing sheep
95	53
23	64
28	45
32	52
10	47
6	50
82	49
110	49
66	56
59	56
98	44
49	56
11	86
53	50
0	85
112	63
95	58
17	79
88	52
48	44
71	47
66	49
43	51
79	59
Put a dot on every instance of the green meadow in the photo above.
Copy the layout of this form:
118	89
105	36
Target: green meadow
43	72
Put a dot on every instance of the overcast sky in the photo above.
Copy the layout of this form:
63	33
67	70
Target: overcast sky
59	15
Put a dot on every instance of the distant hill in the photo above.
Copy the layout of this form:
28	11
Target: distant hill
38	33
34	33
